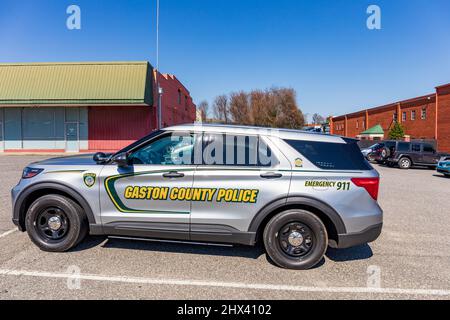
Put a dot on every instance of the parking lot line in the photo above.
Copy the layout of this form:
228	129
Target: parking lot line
7	233
228	285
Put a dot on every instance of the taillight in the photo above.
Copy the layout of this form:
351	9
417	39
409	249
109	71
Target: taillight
370	184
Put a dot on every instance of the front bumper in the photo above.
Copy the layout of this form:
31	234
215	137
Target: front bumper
15	193
444	170
356	239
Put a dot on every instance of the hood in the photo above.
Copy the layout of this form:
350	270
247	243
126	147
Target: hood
85	159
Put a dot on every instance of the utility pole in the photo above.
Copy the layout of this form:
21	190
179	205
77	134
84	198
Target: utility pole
158	88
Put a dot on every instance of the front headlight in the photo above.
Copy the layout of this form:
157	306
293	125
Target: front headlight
29	173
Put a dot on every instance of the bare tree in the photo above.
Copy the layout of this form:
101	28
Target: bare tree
288	113
221	109
276	107
318	119
204	109
240	110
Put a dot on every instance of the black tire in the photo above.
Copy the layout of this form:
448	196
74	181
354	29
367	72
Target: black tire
296	219
405	163
74	224
391	164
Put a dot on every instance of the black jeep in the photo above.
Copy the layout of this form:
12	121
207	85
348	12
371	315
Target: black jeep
408	154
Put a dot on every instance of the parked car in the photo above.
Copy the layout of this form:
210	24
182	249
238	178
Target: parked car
407	154
369	153
444	166
296	192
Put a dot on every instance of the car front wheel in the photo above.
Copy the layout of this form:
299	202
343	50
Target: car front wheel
296	239
56	223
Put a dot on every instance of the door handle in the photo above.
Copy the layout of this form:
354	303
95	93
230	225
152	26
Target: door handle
271	175
173	175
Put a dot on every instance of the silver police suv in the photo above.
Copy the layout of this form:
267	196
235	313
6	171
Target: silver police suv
296	192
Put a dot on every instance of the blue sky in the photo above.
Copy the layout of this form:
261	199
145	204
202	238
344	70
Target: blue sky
321	48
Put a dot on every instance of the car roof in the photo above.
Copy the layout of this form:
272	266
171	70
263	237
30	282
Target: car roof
288	134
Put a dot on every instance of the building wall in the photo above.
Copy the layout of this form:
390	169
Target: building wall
443	119
178	107
432	127
41	128
355	125
113	128
383	117
338	126
419	128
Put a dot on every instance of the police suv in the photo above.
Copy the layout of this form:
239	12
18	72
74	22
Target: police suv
297	192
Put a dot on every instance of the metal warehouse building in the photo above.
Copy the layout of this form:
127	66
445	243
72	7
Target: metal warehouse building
73	107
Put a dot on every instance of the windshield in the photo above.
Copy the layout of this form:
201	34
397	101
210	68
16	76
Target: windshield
139	142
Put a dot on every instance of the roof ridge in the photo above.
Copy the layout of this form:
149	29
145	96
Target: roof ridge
11	64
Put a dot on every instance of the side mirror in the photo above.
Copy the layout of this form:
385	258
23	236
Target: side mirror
100	158
121	159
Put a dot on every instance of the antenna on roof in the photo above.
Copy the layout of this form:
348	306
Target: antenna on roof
157	69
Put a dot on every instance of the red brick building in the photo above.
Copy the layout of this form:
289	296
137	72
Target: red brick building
425	117
85	107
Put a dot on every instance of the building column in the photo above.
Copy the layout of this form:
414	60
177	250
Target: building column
399	111
367	120
436	116
330	122
345	127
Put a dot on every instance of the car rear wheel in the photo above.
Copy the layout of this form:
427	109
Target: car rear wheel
404	163
56	223
295	239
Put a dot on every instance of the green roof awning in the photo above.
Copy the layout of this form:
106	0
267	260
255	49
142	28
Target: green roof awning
374	130
84	83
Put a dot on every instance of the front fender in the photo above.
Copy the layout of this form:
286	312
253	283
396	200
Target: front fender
21	202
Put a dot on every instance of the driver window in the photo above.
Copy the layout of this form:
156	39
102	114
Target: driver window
171	149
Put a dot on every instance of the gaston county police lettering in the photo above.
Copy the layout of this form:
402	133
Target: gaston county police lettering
191	194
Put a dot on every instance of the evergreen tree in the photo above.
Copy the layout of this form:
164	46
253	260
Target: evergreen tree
397	132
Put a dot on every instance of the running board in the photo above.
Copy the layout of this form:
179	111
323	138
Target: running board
172	241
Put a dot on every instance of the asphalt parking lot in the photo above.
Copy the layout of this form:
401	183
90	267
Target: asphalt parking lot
410	260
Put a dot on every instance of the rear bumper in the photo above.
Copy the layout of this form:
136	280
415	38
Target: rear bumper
355	239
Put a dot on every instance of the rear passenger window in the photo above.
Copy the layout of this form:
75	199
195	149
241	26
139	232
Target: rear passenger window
403	147
415	148
428	148
236	150
332	156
